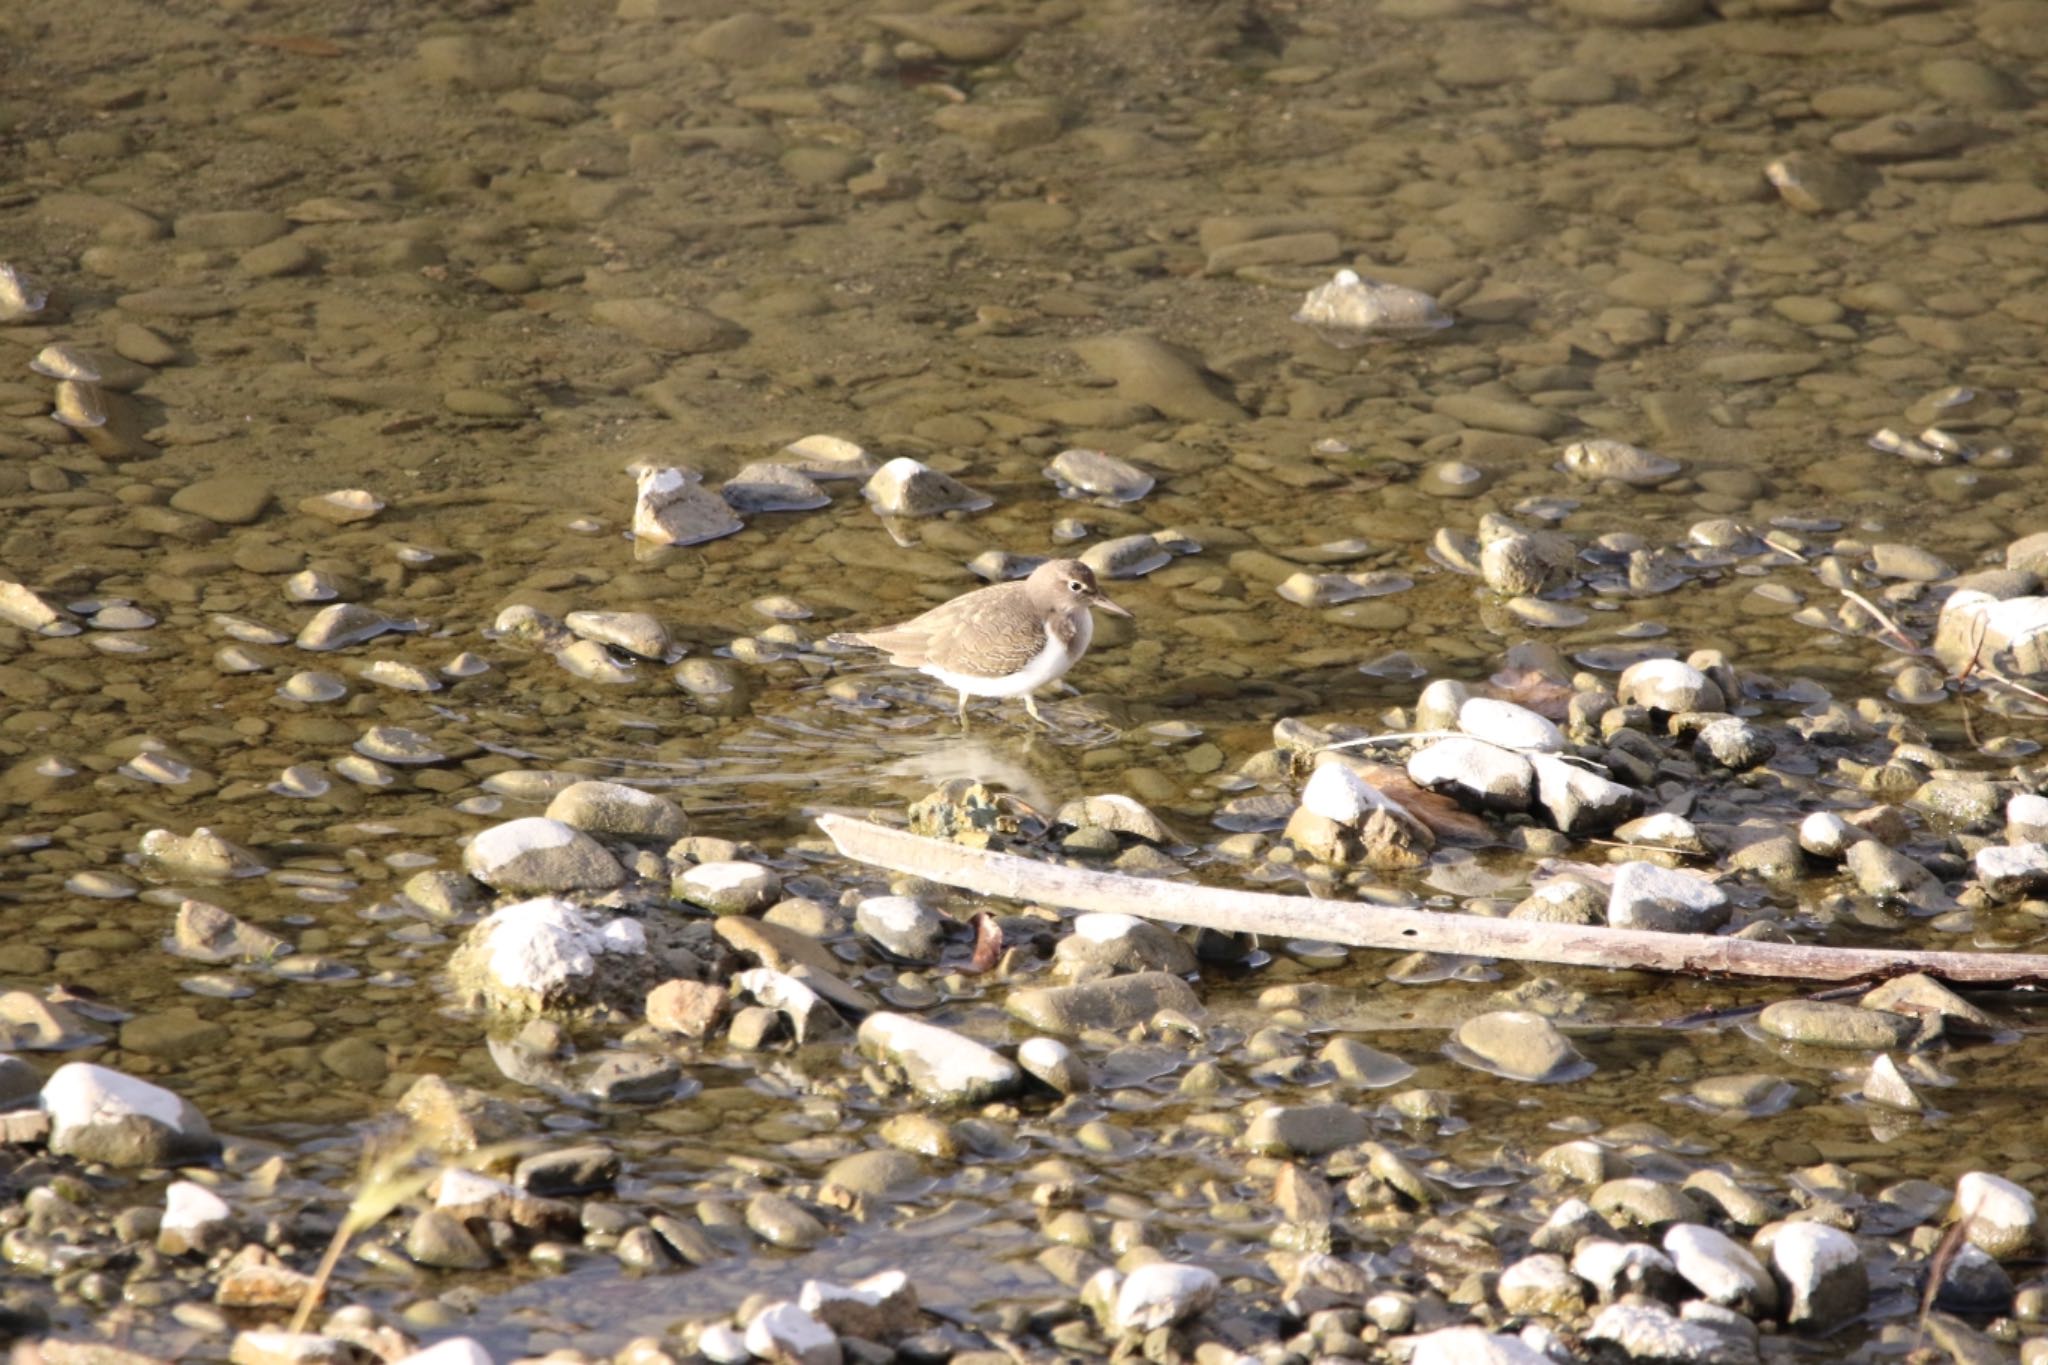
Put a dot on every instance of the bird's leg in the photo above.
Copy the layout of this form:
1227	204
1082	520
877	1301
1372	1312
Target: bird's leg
963	710
1031	705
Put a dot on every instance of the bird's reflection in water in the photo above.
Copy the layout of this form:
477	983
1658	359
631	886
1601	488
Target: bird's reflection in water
995	761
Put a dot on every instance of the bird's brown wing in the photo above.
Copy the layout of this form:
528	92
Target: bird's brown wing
974	643
954	630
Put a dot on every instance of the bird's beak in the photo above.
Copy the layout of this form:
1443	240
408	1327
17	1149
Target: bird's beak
1112	608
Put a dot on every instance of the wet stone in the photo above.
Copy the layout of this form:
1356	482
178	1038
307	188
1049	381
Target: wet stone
537	854
1723	1270
582	1169
1476	773
1637	1202
691	1008
782	1222
902	926
230	501
1821	1023
1904	137
1888	874
672	507
633	631
1098	474
1816	183
99	1114
1909	562
1998	203
960	38
1115	1003
1105	943
537	953
729	887
1304	1129
772	486
1161	1293
1541	1285
908	488
1580	802
941	1065
618	811
1735	744
1825	1279
1636	13
342	625
2001	1217
1668	685
1519	1045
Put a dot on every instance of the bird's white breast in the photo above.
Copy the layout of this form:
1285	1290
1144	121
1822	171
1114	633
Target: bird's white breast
1051	661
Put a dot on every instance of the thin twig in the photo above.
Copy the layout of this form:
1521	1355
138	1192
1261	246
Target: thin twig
1901	641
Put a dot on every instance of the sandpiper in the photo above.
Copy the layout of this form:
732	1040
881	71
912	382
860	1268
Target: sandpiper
1003	641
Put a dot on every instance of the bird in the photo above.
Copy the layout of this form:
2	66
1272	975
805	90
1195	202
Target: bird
1007	640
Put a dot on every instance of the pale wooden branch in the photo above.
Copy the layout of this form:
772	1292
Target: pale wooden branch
1374	926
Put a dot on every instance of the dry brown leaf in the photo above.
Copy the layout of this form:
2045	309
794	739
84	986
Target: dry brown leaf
1445	818
1544	695
988	943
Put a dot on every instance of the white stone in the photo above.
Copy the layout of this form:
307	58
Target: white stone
80	1095
539	946
1510	726
1668	685
1605	1263
1822	1268
723	1344
456	1188
729	888
1663	829
2000	1214
1886	1085
1471	1346
191	1208
829	457
1605	458
1647	896
535	853
784	1332
808	1013
1578	800
1721	1268
21	606
1497	778
452	1351
941	1064
1351	310
2009	871
1336	792
1437	705
1825	834
1162	1293
636	632
908	488
2006	632
672	507
2027	811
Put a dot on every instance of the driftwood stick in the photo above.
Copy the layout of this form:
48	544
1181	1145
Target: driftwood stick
1374	926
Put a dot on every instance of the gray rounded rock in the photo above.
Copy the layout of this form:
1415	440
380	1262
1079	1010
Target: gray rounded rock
1519	1045
537	854
613	808
1823	1023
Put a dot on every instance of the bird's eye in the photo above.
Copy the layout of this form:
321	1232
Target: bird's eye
1076	585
